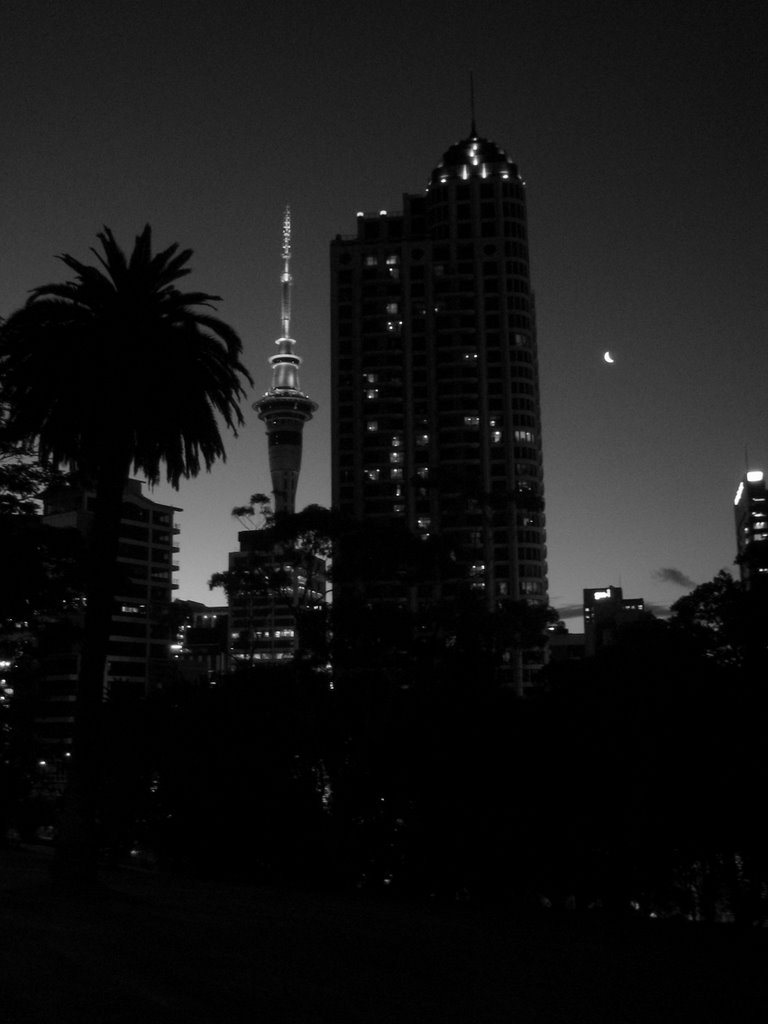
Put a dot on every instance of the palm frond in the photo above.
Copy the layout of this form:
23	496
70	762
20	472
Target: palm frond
169	265
119	360
142	251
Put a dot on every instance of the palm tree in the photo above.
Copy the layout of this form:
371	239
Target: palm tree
113	372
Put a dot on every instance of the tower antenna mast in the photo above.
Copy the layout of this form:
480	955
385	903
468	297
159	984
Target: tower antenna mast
285	278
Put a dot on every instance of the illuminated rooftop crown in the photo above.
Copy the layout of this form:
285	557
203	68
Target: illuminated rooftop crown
473	157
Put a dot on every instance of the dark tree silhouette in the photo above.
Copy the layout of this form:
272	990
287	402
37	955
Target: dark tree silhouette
114	371
721	620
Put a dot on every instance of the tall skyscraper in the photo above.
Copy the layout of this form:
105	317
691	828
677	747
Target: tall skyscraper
285	408
436	417
263	614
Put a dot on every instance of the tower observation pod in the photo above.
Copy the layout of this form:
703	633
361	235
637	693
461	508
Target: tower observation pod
285	408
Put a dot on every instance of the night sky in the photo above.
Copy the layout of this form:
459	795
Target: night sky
639	128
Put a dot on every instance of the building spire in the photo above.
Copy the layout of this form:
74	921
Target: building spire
285	365
286	279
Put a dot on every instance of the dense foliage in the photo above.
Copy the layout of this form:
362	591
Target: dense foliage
630	783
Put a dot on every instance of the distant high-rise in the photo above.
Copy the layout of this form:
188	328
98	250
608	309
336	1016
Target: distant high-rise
751	512
606	613
285	408
436	417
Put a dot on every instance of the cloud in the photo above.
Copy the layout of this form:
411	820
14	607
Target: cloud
570	611
659	610
675	576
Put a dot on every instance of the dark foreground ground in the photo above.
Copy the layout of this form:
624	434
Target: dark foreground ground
151	948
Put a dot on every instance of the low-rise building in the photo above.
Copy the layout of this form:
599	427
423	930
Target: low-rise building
142	627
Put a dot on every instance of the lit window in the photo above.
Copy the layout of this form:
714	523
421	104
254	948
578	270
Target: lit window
471	421
393	308
423	472
398	509
372	378
396	442
496	436
396	457
372	425
525	435
371	261
422	439
393	260
372	393
531	587
470	356
424	523
373	474
396	473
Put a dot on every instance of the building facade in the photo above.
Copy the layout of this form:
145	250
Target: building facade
201	648
436	411
139	655
606	613
751	514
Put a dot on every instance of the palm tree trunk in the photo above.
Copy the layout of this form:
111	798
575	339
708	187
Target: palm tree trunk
76	857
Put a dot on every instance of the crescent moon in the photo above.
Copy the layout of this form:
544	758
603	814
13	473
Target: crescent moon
609	358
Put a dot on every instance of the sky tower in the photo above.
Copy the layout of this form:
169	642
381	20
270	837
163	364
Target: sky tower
285	408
